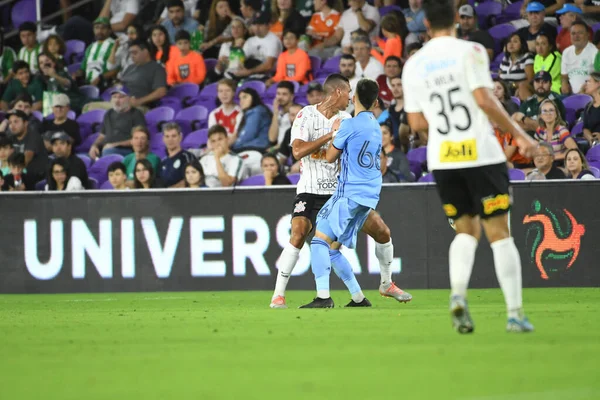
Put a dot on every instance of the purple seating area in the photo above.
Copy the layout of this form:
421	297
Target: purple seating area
98	170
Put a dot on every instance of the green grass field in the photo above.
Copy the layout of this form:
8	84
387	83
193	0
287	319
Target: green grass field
230	345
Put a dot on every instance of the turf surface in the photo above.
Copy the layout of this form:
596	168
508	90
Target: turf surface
230	345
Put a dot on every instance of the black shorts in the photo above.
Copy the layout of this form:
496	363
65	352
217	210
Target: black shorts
308	205
483	191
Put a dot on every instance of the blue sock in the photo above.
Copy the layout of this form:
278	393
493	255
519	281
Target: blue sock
321	266
342	268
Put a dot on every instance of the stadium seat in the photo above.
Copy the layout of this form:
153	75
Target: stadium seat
516	100
269	95
426	178
92	184
38	115
192	118
73	68
75	51
158	116
23	11
593	154
512	12
330	66
416	167
210	63
89	91
106	94
499	33
315	65
418	155
184	92
90	122
195	140
388	9
516	174
596	27
577	129
209	103
70	115
256	180
99	169
86	143
256	85
87	161
487	12
209	91
171	102
294	178
106	186
41	185
577	101
595	171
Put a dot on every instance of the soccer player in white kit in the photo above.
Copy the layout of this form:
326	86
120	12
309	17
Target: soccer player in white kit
448	92
311	134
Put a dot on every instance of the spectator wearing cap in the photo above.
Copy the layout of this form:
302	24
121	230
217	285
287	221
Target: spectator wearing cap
360	15
60	122
568	14
186	66
95	61
172	167
548	59
322	27
59	177
31	48
467	29
527	117
516	68
577	60
415	17
140	142
221	167
118	122
23	82
177	21
121	14
367	66
314	93
145	78
536	12
280	122
62	147
293	64
30	144
261	50
348	69
391	68
285	17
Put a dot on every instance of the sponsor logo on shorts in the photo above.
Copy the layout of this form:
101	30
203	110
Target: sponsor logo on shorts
552	235
450	210
326	183
458	151
493	204
299	207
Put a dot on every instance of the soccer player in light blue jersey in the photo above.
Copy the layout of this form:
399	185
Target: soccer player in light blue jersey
352	206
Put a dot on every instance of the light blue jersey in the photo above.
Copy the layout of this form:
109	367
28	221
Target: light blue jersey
359	139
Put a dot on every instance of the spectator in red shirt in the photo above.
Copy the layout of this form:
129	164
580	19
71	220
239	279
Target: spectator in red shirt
228	114
294	63
391	68
568	14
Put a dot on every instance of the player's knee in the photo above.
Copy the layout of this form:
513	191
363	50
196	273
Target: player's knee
496	228
383	234
298	236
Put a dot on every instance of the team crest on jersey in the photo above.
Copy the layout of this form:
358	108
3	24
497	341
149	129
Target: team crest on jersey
299	115
299	207
184	71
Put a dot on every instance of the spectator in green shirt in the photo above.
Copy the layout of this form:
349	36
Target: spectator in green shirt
140	143
23	82
548	59
527	117
7	59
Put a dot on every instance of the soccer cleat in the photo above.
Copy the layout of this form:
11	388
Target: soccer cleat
461	319
364	303
319	303
391	290
278	302
519	325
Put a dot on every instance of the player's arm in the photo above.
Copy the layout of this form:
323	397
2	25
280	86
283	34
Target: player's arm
332	153
417	122
301	149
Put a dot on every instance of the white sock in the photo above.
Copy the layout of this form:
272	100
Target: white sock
358	297
323	294
462	257
287	262
385	256
508	270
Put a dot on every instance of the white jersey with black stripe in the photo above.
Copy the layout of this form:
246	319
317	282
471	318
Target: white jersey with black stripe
317	176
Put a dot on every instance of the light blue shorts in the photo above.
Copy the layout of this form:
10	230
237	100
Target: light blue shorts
341	219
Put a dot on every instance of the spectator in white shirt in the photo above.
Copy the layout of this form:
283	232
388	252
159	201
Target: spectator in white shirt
360	15
221	167
577	60
262	49
366	65
121	14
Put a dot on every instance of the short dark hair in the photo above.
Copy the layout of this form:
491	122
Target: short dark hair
254	4
579	22
28	26
333	82
217	129
396	77
413	46
24	97
367	91
394	58
183	35
347	57
5	140
17	159
175	3
116	166
286	85
439	13
141	128
288	30
195	163
141	43
19	65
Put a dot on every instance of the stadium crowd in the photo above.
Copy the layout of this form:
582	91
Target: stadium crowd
204	94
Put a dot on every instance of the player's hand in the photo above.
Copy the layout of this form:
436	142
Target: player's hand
276	104
336	125
526	145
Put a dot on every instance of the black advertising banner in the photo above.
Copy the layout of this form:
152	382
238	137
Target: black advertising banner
231	240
